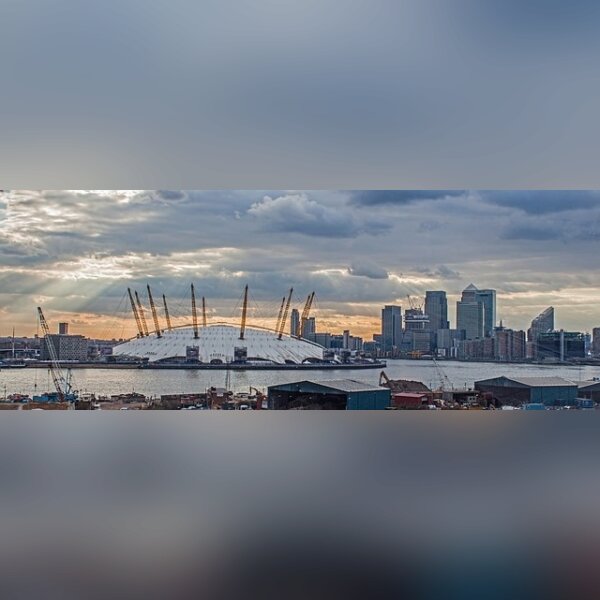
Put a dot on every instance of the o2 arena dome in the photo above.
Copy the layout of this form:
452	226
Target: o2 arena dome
220	344
216	343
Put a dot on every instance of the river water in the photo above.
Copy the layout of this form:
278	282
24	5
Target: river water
157	382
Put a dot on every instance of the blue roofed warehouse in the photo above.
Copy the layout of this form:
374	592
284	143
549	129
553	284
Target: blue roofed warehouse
337	394
515	391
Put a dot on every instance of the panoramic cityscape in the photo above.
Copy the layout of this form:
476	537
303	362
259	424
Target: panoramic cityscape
252	291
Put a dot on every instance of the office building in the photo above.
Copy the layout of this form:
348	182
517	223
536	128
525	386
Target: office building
67	347
295	323
436	308
448	340
63	329
391	328
469	318
543	323
509	345
309	327
488	299
469	315
415	320
596	341
560	346
422	341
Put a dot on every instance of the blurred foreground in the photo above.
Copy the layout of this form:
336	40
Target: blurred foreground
299	505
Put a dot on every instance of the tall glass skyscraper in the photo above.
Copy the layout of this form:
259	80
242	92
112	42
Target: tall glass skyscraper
488	299
436	307
476	322
391	327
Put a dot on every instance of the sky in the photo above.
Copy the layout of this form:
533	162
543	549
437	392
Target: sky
75	253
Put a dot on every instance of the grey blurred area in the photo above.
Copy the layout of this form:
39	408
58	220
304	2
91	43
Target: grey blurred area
299	506
312	94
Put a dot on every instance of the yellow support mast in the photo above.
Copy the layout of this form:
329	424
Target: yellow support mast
142	315
194	313
154	313
138	322
244	314
167	316
285	314
280	315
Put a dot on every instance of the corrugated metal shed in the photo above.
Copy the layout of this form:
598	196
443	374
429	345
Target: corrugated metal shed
337	393
541	381
552	391
347	385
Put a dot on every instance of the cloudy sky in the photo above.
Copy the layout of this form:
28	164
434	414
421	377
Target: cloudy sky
76	252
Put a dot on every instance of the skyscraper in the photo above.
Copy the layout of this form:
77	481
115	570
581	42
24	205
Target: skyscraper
436	307
295	322
469	314
391	327
469	318
488	299
543	323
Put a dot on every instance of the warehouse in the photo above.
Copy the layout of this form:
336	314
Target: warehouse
338	394
590	390
551	391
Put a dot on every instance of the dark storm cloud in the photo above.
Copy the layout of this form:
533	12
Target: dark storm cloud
544	201
364	268
170	194
399	197
300	214
439	272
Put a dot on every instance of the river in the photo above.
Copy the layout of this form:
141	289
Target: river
157	382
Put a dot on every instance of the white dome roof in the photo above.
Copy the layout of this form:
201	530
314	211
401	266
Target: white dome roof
218	342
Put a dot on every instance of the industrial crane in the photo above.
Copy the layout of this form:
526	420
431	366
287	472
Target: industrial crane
445	383
61	383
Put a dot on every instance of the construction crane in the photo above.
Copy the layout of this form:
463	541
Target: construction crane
154	313
244	314
305	313
413	303
141	313
445	383
285	314
138	322
203	311
280	314
167	316
61	383
194	313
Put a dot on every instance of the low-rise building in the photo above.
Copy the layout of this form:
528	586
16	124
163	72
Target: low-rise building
515	391
338	394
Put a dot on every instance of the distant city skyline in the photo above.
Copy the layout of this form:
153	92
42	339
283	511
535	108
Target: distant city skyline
76	252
